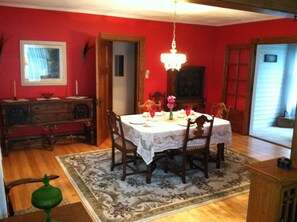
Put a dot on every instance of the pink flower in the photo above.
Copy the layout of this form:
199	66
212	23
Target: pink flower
170	105
171	101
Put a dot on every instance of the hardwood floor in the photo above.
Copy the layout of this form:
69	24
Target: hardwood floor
35	162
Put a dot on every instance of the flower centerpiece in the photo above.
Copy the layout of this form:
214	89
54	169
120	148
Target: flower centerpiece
170	105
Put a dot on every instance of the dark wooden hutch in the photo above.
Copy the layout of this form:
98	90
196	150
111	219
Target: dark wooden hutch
187	85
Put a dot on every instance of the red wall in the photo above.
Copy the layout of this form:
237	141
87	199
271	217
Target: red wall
75	28
243	34
203	45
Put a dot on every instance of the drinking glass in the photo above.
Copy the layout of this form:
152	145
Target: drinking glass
188	110
152	113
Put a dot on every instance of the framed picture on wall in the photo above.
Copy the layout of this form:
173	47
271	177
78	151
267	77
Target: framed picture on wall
43	63
270	58
119	65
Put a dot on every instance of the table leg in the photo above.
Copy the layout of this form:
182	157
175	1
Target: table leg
152	166
149	173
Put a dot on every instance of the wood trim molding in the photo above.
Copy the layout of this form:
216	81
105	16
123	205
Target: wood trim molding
285	8
140	66
294	144
275	40
279	40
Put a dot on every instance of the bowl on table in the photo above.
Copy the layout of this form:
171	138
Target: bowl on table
47	95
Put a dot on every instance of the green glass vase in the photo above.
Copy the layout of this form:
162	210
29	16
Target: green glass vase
170	115
46	198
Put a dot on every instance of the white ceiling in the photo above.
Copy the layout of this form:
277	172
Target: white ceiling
157	10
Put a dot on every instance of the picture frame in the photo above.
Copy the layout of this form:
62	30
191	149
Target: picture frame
119	65
43	63
270	58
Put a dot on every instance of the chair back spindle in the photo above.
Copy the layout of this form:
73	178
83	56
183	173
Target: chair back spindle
200	131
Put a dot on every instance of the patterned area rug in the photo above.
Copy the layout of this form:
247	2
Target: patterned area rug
33	209
110	199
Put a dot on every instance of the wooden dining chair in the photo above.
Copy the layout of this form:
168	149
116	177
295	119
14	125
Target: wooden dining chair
127	148
220	110
158	97
148	105
188	151
10	185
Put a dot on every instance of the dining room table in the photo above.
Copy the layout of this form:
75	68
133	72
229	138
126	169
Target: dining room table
153	136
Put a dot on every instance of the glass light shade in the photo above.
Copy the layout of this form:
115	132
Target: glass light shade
173	60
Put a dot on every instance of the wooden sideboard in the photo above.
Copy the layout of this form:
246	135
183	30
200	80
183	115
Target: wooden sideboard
47	115
273	193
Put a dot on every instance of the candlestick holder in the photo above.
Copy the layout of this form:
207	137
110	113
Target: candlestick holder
76	88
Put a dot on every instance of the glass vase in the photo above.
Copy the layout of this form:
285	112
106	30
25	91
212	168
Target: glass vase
170	115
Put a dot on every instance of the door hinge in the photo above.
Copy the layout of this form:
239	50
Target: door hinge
98	101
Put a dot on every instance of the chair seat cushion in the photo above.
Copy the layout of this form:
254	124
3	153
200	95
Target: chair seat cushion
129	144
192	148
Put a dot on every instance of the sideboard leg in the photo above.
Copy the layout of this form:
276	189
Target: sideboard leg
89	128
52	142
51	138
92	137
6	147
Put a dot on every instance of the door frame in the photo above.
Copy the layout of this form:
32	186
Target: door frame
250	84
139	79
277	40
254	44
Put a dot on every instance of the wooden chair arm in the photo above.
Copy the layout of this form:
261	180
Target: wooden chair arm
25	181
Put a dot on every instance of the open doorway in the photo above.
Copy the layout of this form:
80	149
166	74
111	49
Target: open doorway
274	95
123	77
104	81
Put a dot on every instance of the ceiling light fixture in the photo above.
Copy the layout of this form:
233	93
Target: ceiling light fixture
173	60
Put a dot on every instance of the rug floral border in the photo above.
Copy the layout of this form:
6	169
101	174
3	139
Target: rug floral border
92	203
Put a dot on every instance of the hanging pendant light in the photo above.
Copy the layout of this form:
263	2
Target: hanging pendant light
173	60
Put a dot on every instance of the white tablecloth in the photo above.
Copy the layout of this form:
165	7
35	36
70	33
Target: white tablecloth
163	134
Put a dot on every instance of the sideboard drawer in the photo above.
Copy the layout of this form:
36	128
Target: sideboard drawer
52	107
50	118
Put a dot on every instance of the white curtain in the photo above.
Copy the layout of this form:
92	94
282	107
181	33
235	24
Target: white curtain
37	63
290	84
